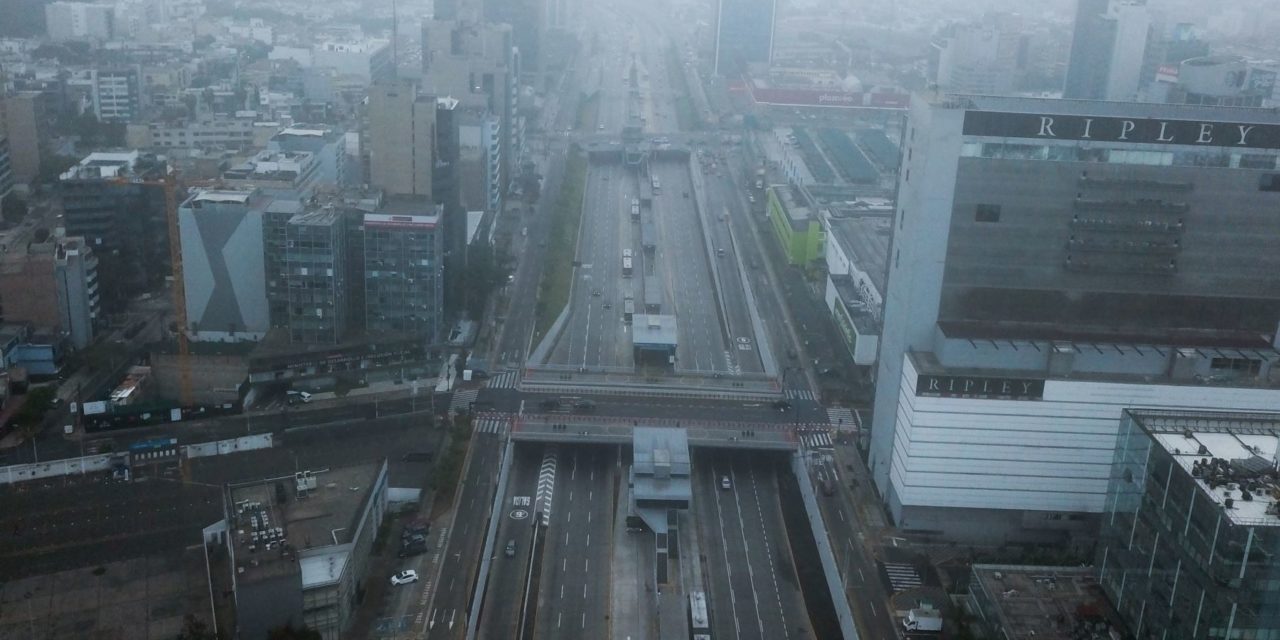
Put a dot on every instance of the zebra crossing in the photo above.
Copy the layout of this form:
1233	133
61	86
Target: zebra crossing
504	380
462	400
902	576
817	440
843	419
491	424
799	394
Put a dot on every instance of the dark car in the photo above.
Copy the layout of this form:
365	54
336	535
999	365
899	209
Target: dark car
781	405
584	406
549	403
479	374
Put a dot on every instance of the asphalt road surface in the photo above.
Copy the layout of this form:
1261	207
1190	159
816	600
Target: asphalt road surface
504	591
752	577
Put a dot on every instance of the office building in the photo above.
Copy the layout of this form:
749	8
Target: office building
368	61
300	548
529	30
115	201
401	138
26	120
1227	81
1108	50
315	276
857	252
325	142
85	21
32	266
1054	263
1191	528
287	175
744	34
214	134
222	265
403	268
984	58
275	218
794	217
477	65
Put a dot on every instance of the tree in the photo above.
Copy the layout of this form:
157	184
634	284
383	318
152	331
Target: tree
194	628
31	416
290	632
13	209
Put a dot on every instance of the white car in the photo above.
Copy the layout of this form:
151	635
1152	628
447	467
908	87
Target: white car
404	577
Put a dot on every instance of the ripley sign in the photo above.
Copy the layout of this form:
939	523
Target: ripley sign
1135	130
979	387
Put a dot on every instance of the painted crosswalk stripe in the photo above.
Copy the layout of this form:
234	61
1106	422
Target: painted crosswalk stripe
504	380
902	576
799	394
462	400
843	418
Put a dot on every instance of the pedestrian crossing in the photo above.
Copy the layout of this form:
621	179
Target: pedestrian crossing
462	400
817	440
843	419
902	576
504	380
491	424
799	394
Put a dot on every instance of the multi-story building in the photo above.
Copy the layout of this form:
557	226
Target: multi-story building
478	65
1054	263
206	134
401	138
32	267
744	34
857	251
1228	81
1191	526
795	221
325	142
983	58
368	60
403	268
1108	50
117	93
299	551
222	265
88	21
25	119
480	157
315	276
115	200
275	217
280	174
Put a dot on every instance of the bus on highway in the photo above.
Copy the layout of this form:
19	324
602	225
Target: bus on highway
628	310
657	185
698	620
626	266
635	212
626	253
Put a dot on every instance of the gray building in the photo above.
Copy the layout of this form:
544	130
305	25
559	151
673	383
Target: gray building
315	276
75	277
116	202
660	475
6	168
1055	263
403	268
401	138
744	34
292	175
223	265
1108	50
325	142
300	548
1191	530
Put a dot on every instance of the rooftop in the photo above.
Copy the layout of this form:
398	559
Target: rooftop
1232	456
795	203
863	318
1045	603
654	330
285	166
865	239
322	217
111	164
226	196
273	521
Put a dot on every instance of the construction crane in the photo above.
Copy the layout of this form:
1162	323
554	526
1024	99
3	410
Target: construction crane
170	185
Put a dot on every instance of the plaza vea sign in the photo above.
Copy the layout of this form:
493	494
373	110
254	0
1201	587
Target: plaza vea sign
979	387
1134	130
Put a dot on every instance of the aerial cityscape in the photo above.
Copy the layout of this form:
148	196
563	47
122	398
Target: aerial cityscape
622	320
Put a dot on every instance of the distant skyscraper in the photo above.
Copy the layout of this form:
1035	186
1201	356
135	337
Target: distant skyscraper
401	138
1108	50
744	34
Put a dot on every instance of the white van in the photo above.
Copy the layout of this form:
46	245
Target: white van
299	396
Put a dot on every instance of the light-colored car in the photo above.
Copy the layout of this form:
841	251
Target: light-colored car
725	482
404	577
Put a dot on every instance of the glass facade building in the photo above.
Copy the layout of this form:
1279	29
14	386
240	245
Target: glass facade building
403	274
315	275
1191	529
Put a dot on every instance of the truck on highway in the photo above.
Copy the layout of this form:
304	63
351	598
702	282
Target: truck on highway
760	178
922	619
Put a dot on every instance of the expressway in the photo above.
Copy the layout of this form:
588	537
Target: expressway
500	615
573	598
753	590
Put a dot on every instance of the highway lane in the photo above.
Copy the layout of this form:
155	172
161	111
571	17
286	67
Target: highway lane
573	599
505	587
445	610
753	592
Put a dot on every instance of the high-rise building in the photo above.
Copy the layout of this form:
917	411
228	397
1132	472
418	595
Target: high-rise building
983	58
1191	528
401	138
6	168
1054	263
325	142
477	65
105	200
33	267
1108	50
79	21
528	20
744	34
315	276
403	268
222	265
25	119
